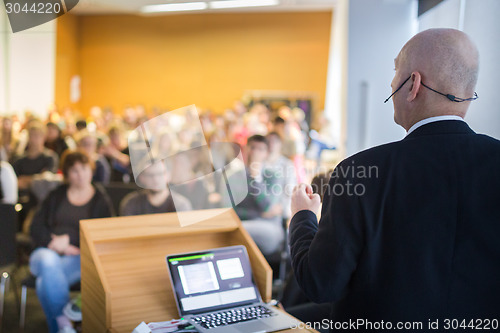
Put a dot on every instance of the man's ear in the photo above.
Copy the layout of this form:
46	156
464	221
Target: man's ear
416	83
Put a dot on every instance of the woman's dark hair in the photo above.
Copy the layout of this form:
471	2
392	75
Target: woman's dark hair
54	125
258	138
71	157
278	120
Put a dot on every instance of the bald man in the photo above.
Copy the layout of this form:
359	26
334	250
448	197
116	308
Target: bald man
410	231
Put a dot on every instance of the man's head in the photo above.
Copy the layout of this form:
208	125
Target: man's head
257	149
274	141
443	59
155	177
36	135
81	125
279	125
77	168
115	137
86	141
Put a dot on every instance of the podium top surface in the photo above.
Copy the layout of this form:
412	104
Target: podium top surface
156	225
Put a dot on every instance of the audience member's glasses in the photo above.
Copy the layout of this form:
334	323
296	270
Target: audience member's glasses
451	97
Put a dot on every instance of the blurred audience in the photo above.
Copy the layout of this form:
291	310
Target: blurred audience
192	165
195	158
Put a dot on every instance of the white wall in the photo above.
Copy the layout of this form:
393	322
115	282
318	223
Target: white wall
444	15
27	65
378	29
335	98
480	21
3	61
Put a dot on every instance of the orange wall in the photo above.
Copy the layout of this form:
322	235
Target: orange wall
67	57
204	59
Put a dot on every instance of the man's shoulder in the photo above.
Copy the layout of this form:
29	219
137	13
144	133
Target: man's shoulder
131	202
470	144
134	197
48	153
374	153
486	139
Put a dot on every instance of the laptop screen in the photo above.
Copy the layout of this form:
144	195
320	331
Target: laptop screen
212	280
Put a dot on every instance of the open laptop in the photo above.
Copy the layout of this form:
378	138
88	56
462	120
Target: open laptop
215	291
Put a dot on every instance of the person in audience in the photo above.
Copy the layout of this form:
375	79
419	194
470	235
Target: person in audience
186	182
68	125
118	156
88	141
299	116
284	171
235	131
8	183
36	159
319	183
81	125
53	140
165	143
288	146
155	197
56	236
294	141
258	119
416	238
8	140
321	140
260	211
96	119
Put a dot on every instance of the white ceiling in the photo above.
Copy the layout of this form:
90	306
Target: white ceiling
90	7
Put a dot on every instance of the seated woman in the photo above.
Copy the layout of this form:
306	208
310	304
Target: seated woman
55	232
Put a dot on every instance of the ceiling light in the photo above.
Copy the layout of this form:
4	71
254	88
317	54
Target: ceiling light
174	7
242	3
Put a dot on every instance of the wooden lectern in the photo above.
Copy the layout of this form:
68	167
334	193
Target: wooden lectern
124	273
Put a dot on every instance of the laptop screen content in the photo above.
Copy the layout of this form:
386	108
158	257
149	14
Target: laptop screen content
212	280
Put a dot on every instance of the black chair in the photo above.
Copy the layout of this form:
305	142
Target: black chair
30	282
285	257
280	263
8	227
117	191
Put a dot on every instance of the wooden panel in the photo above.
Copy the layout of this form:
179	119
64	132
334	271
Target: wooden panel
148	283
93	295
130	227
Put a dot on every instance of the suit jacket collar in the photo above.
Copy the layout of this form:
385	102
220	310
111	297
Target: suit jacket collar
441	127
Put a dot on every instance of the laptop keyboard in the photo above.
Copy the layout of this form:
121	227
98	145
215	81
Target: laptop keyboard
234	316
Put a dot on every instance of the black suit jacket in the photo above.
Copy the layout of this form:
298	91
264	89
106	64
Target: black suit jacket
417	238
